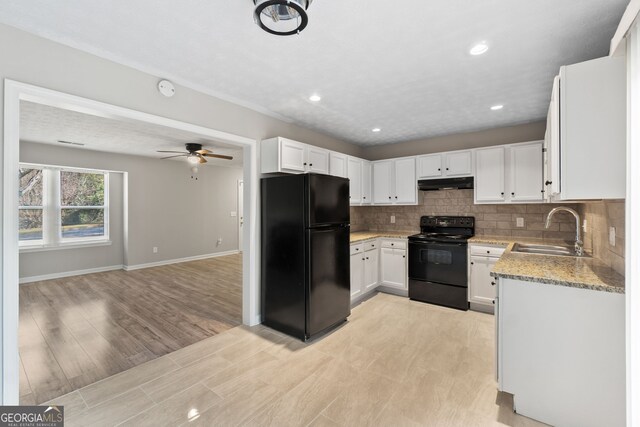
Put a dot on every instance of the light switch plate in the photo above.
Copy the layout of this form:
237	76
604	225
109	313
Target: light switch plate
393	219
155	249
234	214
612	236
519	222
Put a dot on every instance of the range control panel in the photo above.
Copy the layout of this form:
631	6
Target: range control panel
447	221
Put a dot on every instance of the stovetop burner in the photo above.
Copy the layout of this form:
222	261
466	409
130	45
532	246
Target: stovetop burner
439	228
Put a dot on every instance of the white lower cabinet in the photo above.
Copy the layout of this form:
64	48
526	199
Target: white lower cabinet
393	264
482	287
364	268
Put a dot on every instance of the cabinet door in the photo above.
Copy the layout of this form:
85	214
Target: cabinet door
406	187
393	267
317	160
490	165
354	173
429	166
357	275
482	287
338	164
292	156
382	181
458	164
366	183
552	141
526	170
371	266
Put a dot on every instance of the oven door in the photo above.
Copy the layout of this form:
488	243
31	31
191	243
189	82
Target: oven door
438	262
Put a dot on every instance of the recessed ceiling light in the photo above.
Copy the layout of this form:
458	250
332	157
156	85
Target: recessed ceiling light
479	49
376	130
315	98
497	107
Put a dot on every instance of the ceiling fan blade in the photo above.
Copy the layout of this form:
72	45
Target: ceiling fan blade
171	157
219	156
162	151
202	160
203	151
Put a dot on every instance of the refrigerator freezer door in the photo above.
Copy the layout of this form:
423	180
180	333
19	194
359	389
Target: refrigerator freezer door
328	200
328	296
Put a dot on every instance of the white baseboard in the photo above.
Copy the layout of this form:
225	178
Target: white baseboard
69	274
178	260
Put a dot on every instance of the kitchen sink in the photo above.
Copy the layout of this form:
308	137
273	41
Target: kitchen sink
544	249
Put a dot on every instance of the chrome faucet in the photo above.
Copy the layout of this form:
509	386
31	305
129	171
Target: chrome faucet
579	244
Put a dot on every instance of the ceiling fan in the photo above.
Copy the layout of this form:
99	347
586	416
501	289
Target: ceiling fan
195	154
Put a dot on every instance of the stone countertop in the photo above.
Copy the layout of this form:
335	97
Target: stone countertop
361	236
584	273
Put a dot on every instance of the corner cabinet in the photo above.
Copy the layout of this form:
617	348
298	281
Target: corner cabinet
288	156
394	182
510	173
586	131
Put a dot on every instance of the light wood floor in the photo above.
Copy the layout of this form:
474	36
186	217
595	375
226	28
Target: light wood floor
78	330
395	363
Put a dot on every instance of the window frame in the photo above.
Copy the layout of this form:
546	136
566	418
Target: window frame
39	242
52	212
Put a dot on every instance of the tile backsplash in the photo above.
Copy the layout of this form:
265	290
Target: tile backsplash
500	220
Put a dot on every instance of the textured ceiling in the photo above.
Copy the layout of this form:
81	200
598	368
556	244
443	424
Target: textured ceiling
399	65
48	125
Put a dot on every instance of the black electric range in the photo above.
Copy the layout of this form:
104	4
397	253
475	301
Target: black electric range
438	261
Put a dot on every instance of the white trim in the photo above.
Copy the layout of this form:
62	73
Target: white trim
628	18
14	92
178	260
25	249
632	237
63	274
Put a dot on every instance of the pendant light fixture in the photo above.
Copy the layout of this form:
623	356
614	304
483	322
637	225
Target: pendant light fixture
282	17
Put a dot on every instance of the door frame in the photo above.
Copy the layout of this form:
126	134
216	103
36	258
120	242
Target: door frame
240	214
14	92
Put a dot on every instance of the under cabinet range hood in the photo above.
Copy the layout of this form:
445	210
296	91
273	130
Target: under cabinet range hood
445	184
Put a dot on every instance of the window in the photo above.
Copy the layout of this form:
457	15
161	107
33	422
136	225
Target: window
61	207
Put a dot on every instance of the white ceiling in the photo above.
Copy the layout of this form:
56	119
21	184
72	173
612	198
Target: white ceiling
48	125
399	65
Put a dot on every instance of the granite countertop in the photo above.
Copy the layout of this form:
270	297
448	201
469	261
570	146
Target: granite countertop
360	236
575	272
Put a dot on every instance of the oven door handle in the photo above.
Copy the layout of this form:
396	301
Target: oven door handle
446	244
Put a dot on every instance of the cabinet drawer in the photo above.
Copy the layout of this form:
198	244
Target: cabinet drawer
356	249
394	244
371	245
487	250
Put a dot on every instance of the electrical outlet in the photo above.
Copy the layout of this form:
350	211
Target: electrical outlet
219	241
519	222
612	236
393	219
155	249
584	225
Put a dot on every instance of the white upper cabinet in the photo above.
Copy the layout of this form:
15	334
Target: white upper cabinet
459	163
317	160
552	145
383	182
590	107
406	190
526	171
338	164
490	175
394	182
366	183
452	164
288	156
429	166
354	173
292	156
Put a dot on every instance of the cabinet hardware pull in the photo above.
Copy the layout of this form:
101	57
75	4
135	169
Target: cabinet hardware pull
389	197
502	194
494	301
488	252
493	283
310	164
403	256
471	262
305	164
357	249
396	197
447	168
513	194
439	169
548	183
367	257
363	259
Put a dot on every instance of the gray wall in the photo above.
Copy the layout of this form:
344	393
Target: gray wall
506	135
166	209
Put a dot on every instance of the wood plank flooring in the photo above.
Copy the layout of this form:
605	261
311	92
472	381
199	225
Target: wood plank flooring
78	330
395	363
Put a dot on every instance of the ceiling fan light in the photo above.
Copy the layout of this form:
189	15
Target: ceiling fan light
193	159
281	17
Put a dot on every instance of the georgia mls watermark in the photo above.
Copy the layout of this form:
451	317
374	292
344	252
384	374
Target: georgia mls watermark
31	416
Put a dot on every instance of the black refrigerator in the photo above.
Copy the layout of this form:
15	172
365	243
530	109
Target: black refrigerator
305	253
